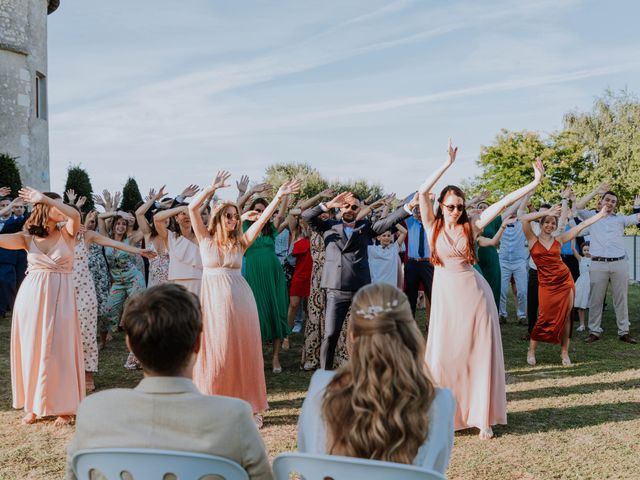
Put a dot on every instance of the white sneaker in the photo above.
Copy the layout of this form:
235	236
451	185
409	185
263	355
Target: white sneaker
580	328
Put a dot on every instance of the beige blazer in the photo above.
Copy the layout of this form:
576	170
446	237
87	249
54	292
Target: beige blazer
170	413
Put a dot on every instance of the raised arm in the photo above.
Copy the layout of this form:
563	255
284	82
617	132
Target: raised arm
575	231
429	183
13	241
402	234
143	223
260	188
73	223
279	219
199	228
95	237
288	188
310	202
312	215
9	208
160	218
495	240
530	217
599	190
491	212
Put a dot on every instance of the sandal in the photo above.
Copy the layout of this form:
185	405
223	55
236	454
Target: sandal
259	419
131	363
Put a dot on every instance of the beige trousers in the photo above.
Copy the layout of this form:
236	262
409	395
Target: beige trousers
601	274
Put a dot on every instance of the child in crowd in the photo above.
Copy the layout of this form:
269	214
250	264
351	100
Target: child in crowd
583	284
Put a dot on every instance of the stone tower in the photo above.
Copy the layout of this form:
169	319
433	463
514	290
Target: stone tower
24	127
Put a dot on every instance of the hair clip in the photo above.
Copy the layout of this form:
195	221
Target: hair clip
374	310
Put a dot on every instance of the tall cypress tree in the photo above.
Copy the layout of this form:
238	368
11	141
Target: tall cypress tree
10	174
78	180
130	196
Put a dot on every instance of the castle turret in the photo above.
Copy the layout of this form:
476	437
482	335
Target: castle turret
24	127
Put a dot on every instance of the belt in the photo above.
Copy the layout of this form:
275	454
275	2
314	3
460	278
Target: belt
418	259
607	259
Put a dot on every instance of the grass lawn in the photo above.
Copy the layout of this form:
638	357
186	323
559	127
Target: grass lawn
577	422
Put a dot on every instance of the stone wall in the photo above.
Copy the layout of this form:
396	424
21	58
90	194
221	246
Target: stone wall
23	52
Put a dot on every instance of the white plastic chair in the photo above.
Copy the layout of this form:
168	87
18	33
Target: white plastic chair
152	464
321	467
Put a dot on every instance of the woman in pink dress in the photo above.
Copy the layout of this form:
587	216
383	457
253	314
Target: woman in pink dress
464	347
230	359
47	366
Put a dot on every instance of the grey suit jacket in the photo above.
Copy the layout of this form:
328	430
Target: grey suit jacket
170	413
346	261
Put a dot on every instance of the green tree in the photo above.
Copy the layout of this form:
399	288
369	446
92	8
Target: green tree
10	174
313	182
608	141
78	180
131	196
361	188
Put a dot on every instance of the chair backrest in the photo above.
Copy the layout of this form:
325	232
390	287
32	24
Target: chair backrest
152	464
321	467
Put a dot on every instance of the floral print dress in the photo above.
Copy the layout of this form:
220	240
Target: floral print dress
101	281
87	304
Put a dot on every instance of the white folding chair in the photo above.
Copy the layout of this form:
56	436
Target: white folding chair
321	467
152	464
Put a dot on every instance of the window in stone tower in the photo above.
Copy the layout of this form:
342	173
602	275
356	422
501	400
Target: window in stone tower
41	96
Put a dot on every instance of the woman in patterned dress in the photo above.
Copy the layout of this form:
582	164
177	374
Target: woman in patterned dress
158	266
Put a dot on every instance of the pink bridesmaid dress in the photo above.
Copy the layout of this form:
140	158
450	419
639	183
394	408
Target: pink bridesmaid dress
47	365
230	359
464	347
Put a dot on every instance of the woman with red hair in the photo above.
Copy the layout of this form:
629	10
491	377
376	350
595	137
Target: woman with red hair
464	347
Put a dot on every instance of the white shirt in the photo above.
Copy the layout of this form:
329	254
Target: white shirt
383	263
434	452
607	234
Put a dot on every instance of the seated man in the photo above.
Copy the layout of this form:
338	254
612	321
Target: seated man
165	411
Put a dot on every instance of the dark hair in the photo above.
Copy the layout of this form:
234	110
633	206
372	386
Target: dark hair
609	192
163	323
438	224
545	205
267	231
36	224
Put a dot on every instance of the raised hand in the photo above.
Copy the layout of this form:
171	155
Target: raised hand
161	193
452	152
127	216
4	191
148	253
603	188
220	180
116	200
538	170
339	200
71	195
81	201
566	193
290	188
327	193
250	215
190	190
554	211
415	201
33	196
636	201
509	220
92	215
243	184
99	200
603	212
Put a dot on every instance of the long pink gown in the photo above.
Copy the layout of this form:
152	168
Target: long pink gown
47	365
464	347
230	360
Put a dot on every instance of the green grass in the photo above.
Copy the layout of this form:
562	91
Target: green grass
577	422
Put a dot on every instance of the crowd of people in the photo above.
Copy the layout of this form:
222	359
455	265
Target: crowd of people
202	287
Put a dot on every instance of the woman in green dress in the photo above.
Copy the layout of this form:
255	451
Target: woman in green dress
264	274
488	259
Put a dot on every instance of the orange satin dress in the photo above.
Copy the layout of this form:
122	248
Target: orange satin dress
556	291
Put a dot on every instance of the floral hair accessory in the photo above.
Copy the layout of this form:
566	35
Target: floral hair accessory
373	310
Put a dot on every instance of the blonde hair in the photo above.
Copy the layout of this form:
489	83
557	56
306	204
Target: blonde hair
376	405
217	229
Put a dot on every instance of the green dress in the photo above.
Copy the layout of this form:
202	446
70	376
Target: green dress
264	274
489	261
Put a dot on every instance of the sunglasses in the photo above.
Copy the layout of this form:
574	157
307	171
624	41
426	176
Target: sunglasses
232	216
352	207
451	208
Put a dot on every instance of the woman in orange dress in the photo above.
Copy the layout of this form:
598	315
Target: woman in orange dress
556	290
47	365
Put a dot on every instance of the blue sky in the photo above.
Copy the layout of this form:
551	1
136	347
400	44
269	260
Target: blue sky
172	91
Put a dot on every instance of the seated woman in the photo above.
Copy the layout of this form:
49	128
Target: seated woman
381	405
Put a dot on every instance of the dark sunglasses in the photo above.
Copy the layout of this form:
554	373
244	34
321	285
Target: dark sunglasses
232	216
352	207
451	208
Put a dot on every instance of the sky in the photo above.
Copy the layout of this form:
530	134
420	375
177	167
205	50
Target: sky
172	91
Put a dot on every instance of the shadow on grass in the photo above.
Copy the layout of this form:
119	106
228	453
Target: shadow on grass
569	418
581	389
278	420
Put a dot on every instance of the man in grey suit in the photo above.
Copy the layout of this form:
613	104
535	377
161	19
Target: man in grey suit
166	411
346	264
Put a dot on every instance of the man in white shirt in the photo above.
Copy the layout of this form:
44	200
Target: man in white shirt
608	263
